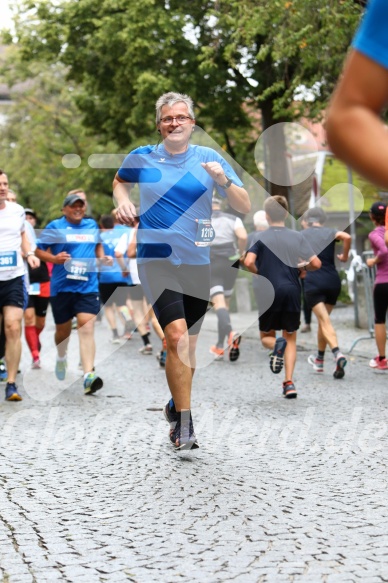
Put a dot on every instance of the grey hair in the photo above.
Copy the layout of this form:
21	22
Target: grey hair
171	98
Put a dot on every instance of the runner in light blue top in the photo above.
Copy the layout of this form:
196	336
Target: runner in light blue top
175	194
176	182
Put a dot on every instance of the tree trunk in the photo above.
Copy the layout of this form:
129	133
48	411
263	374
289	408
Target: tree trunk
275	155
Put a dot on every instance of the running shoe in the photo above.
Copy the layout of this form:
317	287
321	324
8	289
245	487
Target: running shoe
315	362
60	369
146	349
92	383
218	353
305	328
35	363
11	392
277	356
289	390
116	340
234	341
3	372
170	413
378	364
162	358
340	363
183	436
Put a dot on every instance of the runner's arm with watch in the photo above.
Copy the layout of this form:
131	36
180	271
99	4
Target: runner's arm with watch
27	253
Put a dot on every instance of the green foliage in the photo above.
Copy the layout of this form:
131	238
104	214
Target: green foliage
336	173
43	125
125	53
101	64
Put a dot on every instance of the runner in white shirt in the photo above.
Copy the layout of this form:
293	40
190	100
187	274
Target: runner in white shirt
14	244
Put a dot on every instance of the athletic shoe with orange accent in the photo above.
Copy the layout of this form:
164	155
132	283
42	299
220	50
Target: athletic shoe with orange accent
11	392
289	390
218	353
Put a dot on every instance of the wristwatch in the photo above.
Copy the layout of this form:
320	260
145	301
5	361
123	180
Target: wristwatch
29	253
228	183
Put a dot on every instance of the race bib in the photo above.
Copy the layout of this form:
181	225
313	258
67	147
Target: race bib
8	259
77	269
34	289
205	233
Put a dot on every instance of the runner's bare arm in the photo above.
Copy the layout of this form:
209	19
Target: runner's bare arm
355	132
126	211
237	196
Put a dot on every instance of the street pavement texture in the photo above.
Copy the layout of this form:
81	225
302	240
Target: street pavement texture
279	490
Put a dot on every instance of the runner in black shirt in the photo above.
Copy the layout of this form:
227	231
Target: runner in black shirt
279	255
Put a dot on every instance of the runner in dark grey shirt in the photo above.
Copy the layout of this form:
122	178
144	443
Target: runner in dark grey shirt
278	257
323	287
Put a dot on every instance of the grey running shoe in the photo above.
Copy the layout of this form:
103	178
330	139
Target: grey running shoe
340	363
277	356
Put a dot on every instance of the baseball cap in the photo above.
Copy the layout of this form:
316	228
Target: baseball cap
71	199
378	208
30	212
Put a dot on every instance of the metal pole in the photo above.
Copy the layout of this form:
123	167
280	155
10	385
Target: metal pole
353	234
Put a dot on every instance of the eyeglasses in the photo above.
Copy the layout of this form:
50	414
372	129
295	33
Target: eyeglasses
180	119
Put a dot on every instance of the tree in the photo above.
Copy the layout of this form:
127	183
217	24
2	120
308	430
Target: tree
45	148
234	57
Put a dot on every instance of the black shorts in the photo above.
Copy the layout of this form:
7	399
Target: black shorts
13	292
284	313
380	302
113	293
177	292
222	276
39	304
136	292
66	305
326	295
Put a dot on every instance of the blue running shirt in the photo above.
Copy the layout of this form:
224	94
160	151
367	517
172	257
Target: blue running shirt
175	192
109	240
80	274
371	38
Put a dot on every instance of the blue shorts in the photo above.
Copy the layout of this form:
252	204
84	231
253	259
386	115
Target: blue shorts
13	292
66	305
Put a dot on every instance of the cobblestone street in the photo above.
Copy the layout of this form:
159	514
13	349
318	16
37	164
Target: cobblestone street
278	491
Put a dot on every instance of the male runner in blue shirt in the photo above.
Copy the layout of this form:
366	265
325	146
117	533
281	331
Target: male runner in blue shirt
176	182
72	244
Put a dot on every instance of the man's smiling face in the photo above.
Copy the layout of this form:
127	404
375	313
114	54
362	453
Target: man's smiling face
176	133
75	213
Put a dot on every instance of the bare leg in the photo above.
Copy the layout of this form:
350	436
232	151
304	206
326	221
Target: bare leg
326	332
87	344
289	355
381	338
62	335
179	375
13	349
